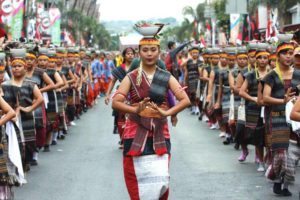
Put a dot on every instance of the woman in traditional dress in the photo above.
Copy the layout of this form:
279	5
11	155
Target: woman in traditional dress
45	84
236	81
119	74
204	77
278	90
192	70
24	96
59	83
224	106
60	94
73	83
146	154
213	86
224	95
7	181
51	109
255	130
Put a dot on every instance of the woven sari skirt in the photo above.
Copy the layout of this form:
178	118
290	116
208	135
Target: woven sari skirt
255	131
192	88
60	102
77	97
147	177
283	166
280	131
70	96
28	126
225	105
40	125
61	111
52	108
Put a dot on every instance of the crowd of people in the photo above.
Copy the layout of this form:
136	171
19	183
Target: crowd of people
43	91
249	93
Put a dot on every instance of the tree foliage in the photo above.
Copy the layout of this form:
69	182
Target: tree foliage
82	26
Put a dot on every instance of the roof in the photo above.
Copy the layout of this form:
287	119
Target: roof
131	39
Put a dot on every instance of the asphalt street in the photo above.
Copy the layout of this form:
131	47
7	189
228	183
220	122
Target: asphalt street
87	165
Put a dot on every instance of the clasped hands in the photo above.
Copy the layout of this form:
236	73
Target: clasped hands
146	103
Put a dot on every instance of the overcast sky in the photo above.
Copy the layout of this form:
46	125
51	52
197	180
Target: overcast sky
143	9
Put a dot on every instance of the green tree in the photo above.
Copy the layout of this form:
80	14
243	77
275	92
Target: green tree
198	17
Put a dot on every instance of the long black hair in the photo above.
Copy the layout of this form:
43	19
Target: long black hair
125	51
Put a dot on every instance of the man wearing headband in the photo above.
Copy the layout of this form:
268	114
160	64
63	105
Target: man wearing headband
277	92
147	112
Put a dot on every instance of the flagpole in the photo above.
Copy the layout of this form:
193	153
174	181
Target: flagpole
249	19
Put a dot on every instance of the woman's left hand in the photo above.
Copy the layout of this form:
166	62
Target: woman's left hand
161	111
26	109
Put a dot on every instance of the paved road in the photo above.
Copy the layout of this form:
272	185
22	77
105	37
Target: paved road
88	165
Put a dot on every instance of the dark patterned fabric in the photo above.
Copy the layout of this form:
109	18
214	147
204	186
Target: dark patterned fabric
119	73
277	121
52	108
158	88
254	124
225	96
193	75
37	78
24	96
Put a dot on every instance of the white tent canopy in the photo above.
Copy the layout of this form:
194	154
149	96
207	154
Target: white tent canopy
130	40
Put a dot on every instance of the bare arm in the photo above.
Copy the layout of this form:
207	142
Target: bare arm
220	91
243	92
118	102
239	83
110	87
181	96
231	81
38	100
210	86
204	76
260	100
268	100
8	111
66	85
49	83
59	82
72	80
295	114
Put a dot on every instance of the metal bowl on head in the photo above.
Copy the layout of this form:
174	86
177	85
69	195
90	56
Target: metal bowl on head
148	31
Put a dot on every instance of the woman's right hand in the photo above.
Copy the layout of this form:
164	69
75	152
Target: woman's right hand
289	95
142	105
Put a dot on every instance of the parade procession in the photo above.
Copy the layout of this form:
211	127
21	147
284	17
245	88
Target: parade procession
148	100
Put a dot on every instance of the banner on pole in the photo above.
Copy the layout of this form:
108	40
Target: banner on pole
235	27
55	20
12	15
